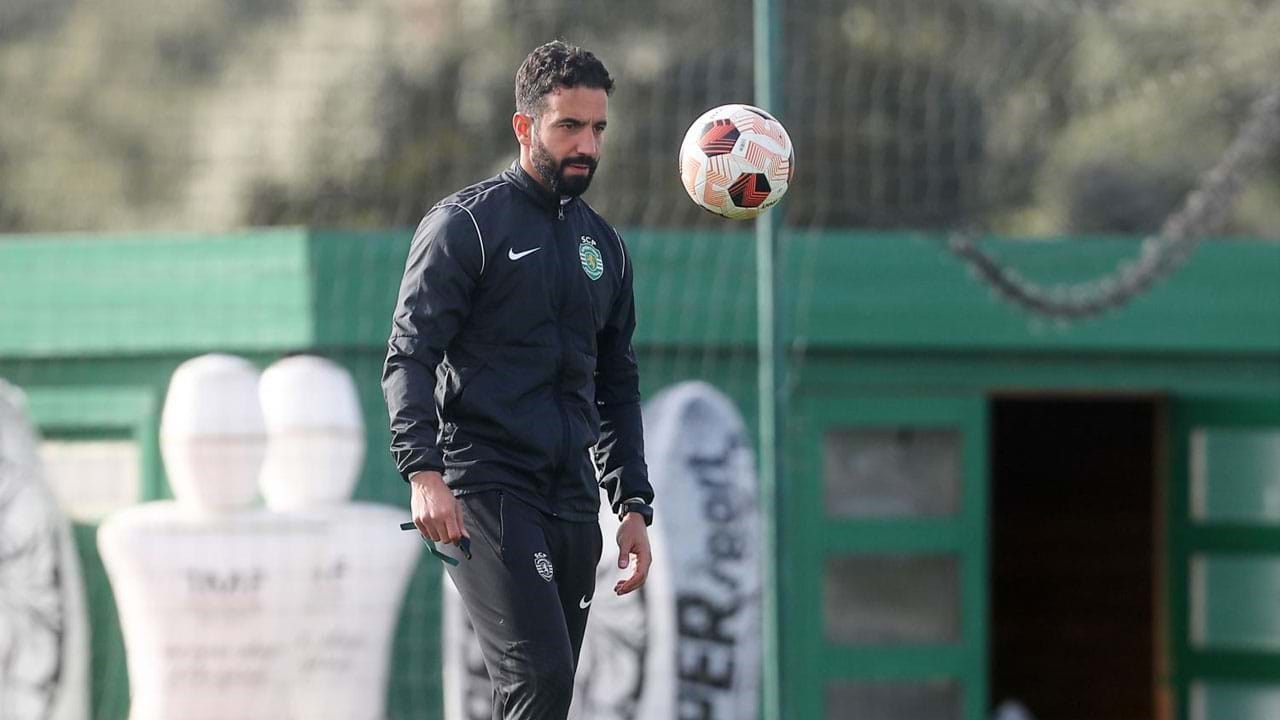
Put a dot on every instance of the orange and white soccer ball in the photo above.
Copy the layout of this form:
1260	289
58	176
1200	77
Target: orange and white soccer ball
736	161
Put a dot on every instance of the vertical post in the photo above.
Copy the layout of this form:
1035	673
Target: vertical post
772	369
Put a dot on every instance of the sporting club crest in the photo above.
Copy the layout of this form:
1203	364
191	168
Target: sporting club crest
543	565
592	260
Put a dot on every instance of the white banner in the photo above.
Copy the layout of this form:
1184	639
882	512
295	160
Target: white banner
44	633
688	645
705	647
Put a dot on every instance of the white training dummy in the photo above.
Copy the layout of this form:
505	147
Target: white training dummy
315	452
44	634
210	588
704	615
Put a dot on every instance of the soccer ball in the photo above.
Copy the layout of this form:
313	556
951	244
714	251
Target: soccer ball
736	161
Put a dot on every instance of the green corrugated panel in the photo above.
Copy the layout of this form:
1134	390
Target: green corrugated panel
290	289
356	280
83	295
695	289
907	290
885	290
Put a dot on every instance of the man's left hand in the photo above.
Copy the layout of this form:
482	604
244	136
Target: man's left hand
633	542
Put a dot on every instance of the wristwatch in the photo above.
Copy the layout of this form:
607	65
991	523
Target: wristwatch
636	505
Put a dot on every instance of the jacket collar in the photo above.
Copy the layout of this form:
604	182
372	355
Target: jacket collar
543	197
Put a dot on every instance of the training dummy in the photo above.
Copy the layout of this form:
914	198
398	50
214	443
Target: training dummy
211	589
315	451
43	630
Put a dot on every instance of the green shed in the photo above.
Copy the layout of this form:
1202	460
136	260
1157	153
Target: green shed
978	506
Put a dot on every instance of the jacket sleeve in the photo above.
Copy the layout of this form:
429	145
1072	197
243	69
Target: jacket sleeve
445	261
619	454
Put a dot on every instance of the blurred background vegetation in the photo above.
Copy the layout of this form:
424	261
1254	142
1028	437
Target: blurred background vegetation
1028	117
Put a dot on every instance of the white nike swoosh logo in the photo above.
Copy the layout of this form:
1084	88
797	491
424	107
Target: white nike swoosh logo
584	603
511	253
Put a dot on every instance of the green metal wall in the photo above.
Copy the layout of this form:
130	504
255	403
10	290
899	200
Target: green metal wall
71	297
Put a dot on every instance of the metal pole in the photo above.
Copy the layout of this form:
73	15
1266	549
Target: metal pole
772	368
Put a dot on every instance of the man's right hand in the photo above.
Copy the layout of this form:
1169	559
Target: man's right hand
435	511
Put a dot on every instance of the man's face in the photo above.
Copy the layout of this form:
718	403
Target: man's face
566	140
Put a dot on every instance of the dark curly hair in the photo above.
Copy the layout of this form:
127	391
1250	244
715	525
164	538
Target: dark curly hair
555	65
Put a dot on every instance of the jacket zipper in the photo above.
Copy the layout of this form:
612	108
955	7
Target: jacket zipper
562	283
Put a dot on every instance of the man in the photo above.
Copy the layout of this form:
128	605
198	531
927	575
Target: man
513	390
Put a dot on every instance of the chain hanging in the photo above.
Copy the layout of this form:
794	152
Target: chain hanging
1203	211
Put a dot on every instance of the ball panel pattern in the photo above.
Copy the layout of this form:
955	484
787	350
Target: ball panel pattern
750	190
718	137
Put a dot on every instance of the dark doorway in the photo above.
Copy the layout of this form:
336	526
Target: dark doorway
1074	557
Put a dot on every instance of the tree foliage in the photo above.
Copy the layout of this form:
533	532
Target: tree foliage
1031	117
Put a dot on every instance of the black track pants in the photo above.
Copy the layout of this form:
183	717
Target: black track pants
527	588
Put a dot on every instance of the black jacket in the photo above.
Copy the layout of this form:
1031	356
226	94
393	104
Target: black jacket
510	363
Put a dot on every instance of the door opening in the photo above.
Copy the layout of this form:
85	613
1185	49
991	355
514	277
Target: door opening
1075	557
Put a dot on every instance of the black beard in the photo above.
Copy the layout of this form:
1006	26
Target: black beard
553	172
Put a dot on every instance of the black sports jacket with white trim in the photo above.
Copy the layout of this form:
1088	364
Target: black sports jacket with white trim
510	363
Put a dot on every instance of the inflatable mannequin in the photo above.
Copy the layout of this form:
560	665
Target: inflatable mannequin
44	634
211	589
315	450
704	611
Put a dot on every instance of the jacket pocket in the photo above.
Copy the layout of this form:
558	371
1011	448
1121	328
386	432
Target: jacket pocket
593	422
447	430
502	524
457	380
